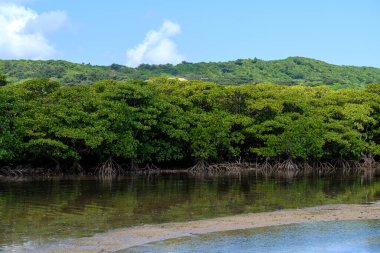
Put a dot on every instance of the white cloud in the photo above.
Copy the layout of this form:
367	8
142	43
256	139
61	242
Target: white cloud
23	31
157	47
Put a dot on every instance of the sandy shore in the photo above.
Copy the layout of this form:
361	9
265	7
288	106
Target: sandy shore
125	238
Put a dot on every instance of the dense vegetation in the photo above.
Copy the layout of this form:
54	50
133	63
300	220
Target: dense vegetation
167	121
291	71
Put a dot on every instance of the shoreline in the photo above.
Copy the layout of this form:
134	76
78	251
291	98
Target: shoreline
124	238
289	168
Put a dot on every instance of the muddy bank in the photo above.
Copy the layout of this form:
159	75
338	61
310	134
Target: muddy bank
124	238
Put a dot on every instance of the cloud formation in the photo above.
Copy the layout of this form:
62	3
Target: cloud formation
157	47
23	31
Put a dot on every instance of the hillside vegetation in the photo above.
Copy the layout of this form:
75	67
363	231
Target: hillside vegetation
290	71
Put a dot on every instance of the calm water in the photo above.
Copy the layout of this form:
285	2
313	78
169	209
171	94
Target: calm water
42	211
327	237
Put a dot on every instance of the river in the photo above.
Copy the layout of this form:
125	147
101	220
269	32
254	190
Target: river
44	211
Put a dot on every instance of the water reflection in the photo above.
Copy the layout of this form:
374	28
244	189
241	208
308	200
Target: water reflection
47	210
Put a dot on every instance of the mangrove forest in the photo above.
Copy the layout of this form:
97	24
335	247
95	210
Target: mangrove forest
168	122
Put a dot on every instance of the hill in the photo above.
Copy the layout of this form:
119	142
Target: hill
290	71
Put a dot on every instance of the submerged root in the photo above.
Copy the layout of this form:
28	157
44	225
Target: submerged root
282	168
133	166
348	167
25	170
307	169
201	167
323	168
369	167
230	169
288	168
266	168
11	172
109	169
149	169
77	168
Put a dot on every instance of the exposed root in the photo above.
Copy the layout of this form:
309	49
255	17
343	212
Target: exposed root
133	166
201	167
266	168
369	167
77	168
25	170
229	169
149	169
288	168
323	169
11	172
348	167
307	168
109	169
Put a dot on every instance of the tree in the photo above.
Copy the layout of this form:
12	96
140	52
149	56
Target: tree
291	136
212	135
3	80
39	118
10	133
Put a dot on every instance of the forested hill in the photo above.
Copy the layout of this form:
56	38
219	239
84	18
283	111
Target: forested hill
290	71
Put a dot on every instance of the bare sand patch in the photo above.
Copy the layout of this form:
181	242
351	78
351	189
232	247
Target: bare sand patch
119	239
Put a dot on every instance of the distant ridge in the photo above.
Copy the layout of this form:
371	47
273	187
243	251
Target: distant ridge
289	71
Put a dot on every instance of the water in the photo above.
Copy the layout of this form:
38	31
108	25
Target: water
327	237
46	211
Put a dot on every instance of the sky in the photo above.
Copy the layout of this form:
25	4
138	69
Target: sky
132	32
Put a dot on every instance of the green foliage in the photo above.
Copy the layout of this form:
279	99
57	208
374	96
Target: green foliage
3	80
291	136
167	120
213	137
10	138
38	88
290	71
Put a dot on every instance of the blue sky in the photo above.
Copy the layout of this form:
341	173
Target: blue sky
344	32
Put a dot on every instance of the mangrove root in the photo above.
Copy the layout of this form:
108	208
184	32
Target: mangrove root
109	169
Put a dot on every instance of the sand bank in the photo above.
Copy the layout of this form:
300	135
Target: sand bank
128	237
